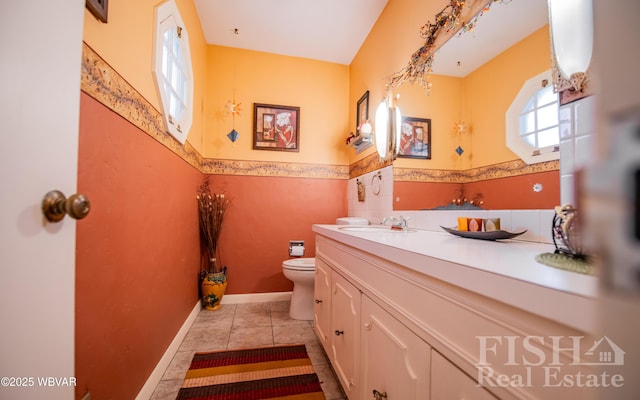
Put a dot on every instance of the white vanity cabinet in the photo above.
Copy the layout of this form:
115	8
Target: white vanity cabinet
395	361
322	303
345	325
393	331
449	383
337	323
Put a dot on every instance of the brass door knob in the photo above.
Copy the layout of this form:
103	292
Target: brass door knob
55	206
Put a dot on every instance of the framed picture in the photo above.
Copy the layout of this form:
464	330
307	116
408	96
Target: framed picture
276	127
415	138
362	110
99	9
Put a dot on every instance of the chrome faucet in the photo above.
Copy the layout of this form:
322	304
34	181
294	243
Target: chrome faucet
400	223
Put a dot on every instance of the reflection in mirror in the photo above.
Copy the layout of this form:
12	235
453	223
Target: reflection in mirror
486	67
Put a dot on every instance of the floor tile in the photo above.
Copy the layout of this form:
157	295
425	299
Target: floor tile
179	365
205	338
255	336
254	314
330	387
167	390
244	326
296	333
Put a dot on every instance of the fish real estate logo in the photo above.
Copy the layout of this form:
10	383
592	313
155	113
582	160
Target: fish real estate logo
548	361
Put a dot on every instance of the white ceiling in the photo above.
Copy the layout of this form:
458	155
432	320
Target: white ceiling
498	29
334	30
327	30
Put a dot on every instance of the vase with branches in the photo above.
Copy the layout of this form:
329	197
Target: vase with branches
211	211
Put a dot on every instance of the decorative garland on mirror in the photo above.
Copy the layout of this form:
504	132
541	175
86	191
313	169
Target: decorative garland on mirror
570	88
447	20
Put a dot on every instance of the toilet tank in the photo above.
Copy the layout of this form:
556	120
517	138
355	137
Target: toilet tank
352	221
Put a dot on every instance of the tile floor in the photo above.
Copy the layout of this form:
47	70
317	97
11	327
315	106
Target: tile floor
241	326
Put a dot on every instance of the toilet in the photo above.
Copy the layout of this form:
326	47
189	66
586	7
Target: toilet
301	271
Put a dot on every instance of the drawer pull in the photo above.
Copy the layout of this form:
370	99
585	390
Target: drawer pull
318	301
379	396
338	333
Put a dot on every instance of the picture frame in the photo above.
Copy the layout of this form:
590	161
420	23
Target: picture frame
415	138
276	127
362	110
99	9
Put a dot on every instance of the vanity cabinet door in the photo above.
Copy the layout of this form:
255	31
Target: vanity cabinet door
450	383
345	334
395	362
322	303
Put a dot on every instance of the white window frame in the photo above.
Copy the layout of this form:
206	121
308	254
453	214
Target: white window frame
515	142
167	18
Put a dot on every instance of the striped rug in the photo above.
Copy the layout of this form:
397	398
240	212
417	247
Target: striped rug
280	372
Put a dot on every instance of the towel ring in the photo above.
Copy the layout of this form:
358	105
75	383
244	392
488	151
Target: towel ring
376	186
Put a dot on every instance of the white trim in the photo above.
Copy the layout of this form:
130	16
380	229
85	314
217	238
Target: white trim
168	15
512	120
156	375
256	297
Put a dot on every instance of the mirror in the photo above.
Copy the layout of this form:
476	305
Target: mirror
481	170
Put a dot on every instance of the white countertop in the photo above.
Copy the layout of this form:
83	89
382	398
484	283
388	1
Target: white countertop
505	270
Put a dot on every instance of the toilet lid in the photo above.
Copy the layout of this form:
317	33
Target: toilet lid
300	264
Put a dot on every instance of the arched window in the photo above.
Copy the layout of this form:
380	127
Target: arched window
532	124
172	70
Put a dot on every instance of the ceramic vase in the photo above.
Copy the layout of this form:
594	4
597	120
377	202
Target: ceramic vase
213	287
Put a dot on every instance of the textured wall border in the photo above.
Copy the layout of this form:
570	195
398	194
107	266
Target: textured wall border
367	164
495	171
100	81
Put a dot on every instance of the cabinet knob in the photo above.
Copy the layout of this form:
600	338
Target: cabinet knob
367	326
318	301
338	333
379	396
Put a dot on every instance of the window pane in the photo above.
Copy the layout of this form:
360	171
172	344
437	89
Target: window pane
546	96
529	106
527	123
548	116
176	45
165	62
530	139
548	137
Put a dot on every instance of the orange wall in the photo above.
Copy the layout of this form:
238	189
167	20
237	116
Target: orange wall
126	43
490	90
265	213
137	255
512	193
386	50
480	99
319	88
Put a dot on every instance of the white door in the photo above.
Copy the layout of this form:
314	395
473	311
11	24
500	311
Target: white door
40	44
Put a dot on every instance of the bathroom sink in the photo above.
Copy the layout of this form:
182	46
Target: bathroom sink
372	228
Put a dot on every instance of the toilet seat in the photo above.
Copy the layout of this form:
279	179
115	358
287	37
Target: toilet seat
300	264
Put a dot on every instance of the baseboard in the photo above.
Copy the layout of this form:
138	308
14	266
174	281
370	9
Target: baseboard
157	373
155	377
255	297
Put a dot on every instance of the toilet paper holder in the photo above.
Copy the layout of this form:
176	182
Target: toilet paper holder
296	248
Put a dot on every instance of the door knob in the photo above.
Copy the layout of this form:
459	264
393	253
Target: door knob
55	206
